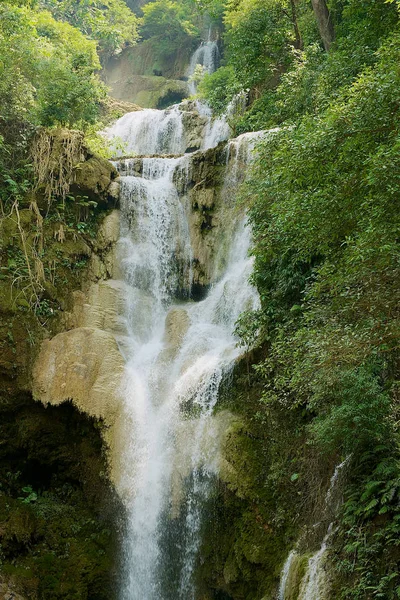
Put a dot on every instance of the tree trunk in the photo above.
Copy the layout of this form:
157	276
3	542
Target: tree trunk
299	42
324	21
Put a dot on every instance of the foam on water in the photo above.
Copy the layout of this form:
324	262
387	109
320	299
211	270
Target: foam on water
177	351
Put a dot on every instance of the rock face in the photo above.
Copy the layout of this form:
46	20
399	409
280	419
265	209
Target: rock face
58	448
7	592
94	178
83	365
210	214
149	78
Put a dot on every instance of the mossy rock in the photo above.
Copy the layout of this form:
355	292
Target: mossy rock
92	178
144	68
58	512
158	92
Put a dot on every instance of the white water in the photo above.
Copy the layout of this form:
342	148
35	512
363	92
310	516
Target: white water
285	574
314	583
150	131
207	56
177	354
161	132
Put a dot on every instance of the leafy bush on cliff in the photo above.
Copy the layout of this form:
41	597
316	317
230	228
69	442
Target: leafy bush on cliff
323	205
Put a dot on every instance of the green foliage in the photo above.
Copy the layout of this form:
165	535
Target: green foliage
219	88
169	24
48	76
367	548
56	68
258	38
56	508
356	418
323	201
110	22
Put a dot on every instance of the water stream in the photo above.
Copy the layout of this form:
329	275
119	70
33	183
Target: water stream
314	584
177	352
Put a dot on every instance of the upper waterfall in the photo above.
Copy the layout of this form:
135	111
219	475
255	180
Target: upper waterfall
178	129
181	128
207	56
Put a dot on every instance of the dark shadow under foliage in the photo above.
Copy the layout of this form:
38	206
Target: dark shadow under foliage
59	516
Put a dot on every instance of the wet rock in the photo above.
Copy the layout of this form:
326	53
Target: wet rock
101	307
176	325
8	593
194	128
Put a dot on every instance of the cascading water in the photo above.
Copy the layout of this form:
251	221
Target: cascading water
207	57
314	585
177	353
151	131
154	132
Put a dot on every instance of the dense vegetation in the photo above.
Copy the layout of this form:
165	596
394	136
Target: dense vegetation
56	539
323	199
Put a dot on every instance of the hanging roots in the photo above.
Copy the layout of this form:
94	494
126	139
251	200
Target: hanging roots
54	156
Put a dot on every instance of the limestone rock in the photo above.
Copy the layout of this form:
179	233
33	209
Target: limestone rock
176	325
194	124
101	307
103	262
109	230
114	191
8	593
83	365
145	76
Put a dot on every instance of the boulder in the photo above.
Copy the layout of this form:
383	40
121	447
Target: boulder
92	178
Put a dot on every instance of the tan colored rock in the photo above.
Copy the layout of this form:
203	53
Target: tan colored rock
176	325
108	233
93	177
96	268
103	262
104	306
84	366
114	190
7	592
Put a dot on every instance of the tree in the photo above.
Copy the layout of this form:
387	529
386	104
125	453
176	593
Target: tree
324	22
110	22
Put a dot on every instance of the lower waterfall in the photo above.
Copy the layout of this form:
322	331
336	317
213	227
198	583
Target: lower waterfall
177	352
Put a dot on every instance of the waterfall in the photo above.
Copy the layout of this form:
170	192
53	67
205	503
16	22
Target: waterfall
287	568
207	56
314	585
150	132
177	352
165	132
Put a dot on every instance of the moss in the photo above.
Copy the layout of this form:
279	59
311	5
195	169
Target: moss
60	542
139	73
259	511
92	179
158	92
